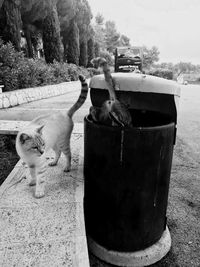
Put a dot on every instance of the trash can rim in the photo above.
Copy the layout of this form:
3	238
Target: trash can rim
135	82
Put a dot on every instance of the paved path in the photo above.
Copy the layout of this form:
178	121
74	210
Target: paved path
31	110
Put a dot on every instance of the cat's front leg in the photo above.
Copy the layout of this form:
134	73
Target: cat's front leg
33	175
57	156
40	181
68	162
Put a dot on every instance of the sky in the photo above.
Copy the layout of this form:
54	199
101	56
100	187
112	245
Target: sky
171	25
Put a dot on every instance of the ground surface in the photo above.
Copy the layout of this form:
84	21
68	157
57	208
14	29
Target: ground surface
184	195
49	231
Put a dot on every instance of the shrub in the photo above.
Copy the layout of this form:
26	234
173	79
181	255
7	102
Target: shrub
60	72
75	70
9	59
93	71
17	71
163	73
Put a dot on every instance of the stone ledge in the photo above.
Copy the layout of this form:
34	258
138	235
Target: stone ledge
49	231
12	127
17	97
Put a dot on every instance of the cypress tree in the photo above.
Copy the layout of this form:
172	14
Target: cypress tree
51	35
96	49
90	45
83	59
10	22
73	50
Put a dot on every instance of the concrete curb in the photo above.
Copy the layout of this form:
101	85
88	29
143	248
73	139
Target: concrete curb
17	97
13	127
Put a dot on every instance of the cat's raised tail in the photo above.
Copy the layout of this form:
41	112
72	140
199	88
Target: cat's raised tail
82	97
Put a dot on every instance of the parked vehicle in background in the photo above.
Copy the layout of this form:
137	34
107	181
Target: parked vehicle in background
128	58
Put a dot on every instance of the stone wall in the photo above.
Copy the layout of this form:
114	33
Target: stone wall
17	97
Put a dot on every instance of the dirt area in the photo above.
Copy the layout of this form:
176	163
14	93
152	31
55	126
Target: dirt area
8	156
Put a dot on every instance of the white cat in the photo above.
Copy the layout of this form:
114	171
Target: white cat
45	133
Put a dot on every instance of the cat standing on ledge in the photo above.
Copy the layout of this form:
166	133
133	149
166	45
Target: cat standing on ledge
45	133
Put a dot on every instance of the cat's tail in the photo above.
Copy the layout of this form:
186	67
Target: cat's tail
82	97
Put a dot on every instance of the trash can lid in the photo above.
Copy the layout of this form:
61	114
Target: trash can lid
137	82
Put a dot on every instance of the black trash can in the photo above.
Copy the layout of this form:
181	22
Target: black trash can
127	171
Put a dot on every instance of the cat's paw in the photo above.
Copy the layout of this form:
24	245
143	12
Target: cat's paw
39	193
67	169
53	163
32	183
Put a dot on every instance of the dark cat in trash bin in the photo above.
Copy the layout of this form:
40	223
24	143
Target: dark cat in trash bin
112	111
47	132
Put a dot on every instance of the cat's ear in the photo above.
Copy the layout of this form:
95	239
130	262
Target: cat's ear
39	129
23	138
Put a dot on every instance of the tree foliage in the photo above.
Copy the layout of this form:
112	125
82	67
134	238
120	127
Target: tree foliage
107	35
99	19
83	59
96	49
51	35
73	50
111	35
91	54
83	18
10	22
150	56
66	11
124	40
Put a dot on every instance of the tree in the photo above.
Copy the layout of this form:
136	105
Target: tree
99	36
99	19
83	18
73	50
51	34
10	22
83	59
112	36
33	13
96	49
1	3
150	56
66	13
124	40
91	55
183	67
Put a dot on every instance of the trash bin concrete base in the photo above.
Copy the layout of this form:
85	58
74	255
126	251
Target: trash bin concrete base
139	258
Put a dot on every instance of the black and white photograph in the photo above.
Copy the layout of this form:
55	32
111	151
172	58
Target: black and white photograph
99	133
